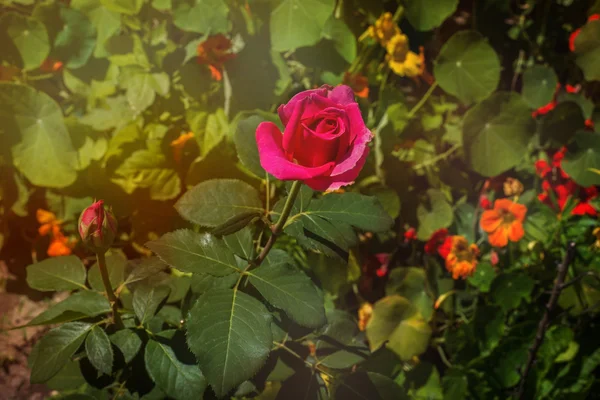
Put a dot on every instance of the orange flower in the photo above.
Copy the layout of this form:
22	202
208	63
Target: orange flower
504	222
215	51
49	222
462	259
179	143
60	246
50	65
359	84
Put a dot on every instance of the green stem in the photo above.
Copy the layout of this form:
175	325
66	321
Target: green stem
423	100
114	303
276	230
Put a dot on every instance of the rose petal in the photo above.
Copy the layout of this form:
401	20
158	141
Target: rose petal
292	136
328	183
342	95
359	137
285	110
273	158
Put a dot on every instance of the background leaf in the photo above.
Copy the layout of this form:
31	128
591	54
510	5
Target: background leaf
467	67
424	15
582	155
539	85
496	133
147	299
41	146
29	37
77	306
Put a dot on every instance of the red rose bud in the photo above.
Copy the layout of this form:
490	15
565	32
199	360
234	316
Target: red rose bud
410	235
484	202
97	227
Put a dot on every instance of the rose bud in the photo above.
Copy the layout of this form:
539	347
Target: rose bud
97	227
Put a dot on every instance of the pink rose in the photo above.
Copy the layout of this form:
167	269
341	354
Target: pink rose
324	143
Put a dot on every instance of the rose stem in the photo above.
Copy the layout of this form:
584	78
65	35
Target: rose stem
109	290
287	208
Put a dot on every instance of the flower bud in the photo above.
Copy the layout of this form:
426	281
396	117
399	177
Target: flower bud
97	227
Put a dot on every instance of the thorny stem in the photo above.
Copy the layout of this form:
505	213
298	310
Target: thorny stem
298	356
545	321
114	303
276	230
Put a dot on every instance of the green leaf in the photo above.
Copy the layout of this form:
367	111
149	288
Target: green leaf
210	129
77	306
467	67
424	15
229	332
44	152
288	288
204	16
29	37
343	39
299	23
539	85
147	299
178	380
496	133
68	378
561	123
438	214
55	349
147	169
241	243
142	87
396	321
583	156
128	342
193	252
106	22
363	212
587	50
99	351
115	264
362	385
57	273
340	344
212	202
483	276
508	290
410	282
128	7
202	283
245	143
75	43
455	384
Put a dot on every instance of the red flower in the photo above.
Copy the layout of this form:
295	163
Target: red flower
384	261
97	227
436	240
572	89
559	183
593	17
410	235
51	65
544	109
484	202
215	51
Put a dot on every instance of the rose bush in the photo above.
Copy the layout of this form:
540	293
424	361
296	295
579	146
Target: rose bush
324	143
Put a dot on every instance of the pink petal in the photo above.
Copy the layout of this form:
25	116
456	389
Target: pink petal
328	183
285	110
274	161
342	95
292	136
359	137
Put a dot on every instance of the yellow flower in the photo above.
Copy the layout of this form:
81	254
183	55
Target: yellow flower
597	234
462	260
401	60
384	29
512	187
364	315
